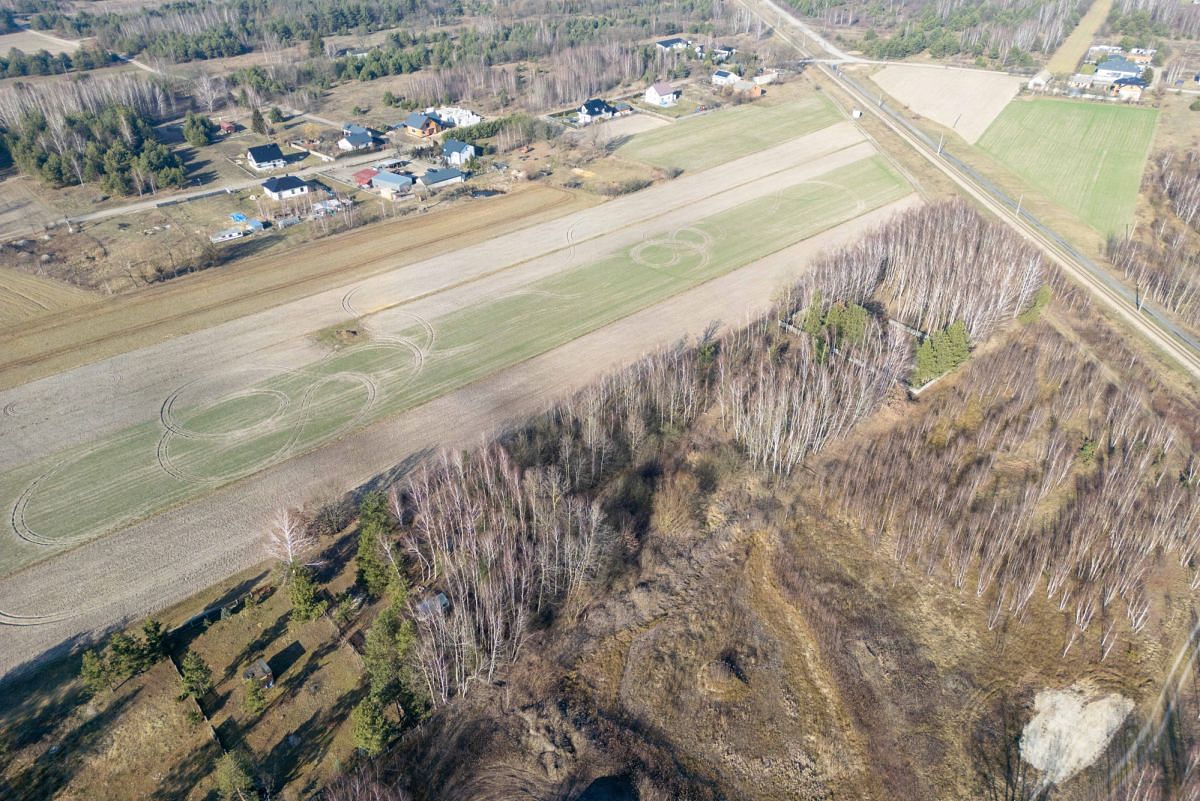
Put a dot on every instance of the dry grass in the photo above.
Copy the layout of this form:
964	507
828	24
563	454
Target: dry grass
1075	47
24	297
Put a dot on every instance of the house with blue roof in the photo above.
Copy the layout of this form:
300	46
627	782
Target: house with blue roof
458	153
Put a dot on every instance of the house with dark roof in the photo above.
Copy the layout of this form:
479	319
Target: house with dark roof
356	140
674	43
422	125
441	177
662	94
722	53
457	153
1117	67
354	128
266	157
284	187
595	109
1128	88
724	78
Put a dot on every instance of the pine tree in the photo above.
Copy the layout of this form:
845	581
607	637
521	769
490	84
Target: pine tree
154	641
257	123
255	700
197	675
303	591
316	45
233	777
372	729
374	573
95	671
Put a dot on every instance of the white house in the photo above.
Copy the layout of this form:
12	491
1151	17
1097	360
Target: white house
457	153
266	157
1116	67
355	140
285	187
455	116
662	94
724	78
1039	82
674	43
722	53
594	110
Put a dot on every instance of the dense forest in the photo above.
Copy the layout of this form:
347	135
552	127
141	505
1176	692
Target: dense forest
1144	18
1006	32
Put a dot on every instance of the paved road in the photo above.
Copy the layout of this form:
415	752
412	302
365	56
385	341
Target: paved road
1155	326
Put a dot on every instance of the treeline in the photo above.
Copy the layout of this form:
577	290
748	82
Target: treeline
1142	18
149	98
1002	31
1164	262
190	29
18	64
114	147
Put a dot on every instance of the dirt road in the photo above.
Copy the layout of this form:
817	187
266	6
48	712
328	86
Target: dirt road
163	560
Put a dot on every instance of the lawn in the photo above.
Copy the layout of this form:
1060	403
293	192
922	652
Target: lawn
710	139
201	443
1087	157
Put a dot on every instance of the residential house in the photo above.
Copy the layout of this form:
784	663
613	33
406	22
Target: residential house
1117	67
362	178
391	184
349	128
674	43
266	157
356	140
1128	89
1143	56
622	109
747	88
261	672
457	153
441	177
593	110
284	187
724	78
1039	82
661	93
455	116
430	606
422	125
722	53
228	127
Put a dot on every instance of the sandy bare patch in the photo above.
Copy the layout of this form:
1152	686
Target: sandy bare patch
633	124
966	101
1070	729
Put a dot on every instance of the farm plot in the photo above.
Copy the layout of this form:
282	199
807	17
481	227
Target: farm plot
33	41
1087	157
208	438
965	101
711	139
24	297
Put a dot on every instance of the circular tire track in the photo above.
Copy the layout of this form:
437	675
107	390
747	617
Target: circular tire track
679	243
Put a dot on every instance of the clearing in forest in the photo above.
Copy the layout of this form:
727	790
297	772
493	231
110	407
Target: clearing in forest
1075	47
965	101
206	437
1087	157
710	139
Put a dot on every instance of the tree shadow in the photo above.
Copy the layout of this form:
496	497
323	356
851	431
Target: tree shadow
56	766
283	661
308	743
256	646
183	636
184	776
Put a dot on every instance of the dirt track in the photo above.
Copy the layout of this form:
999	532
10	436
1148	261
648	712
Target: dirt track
162	561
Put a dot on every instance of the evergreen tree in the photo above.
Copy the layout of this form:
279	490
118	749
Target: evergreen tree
303	591
233	777
275	115
374	525
255	700
197	675
316	45
371	728
257	123
154	641
95	671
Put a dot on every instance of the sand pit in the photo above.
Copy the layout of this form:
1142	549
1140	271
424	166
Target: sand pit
1070	730
966	101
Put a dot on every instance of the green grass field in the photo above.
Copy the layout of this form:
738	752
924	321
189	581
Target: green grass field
94	490
1087	157
729	133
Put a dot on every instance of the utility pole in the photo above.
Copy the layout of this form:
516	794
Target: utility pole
941	141
1019	202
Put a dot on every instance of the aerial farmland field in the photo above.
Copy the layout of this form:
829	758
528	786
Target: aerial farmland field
710	139
1087	157
206	437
